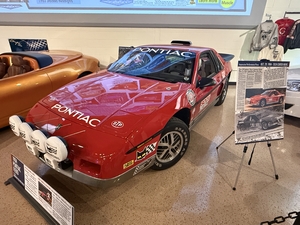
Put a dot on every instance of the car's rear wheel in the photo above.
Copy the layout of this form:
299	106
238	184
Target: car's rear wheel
280	100
262	103
223	94
172	144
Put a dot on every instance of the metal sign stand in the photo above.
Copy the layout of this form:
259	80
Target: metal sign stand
249	162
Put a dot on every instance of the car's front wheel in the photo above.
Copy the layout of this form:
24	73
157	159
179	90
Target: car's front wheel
262	103
172	144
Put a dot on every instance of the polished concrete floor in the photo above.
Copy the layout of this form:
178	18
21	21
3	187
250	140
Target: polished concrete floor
197	190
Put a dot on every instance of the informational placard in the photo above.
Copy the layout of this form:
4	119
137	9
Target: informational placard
260	96
51	201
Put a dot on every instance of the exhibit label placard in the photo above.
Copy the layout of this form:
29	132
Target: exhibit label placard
260	97
57	207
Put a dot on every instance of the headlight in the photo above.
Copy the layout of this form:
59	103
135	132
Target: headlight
14	123
57	147
38	138
293	85
25	131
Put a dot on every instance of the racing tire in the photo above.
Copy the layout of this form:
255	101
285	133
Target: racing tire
262	103
223	94
172	145
280	100
264	125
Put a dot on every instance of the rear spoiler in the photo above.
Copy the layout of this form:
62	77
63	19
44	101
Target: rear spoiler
226	57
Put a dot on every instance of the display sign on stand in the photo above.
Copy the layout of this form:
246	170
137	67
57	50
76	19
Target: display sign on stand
260	95
50	204
259	108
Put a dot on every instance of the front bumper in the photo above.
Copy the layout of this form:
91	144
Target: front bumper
104	183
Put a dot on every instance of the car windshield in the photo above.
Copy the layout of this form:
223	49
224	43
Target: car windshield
168	65
266	93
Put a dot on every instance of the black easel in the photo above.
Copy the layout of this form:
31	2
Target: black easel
249	162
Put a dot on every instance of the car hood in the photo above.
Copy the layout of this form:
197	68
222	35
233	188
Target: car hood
109	101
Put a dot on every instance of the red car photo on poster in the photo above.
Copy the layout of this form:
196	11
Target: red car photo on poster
266	98
136	114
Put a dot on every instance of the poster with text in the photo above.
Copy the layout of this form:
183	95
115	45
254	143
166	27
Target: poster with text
260	97
57	207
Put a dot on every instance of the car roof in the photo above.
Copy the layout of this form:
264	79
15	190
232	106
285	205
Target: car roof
179	47
42	59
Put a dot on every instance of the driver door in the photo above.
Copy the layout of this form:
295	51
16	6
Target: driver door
208	70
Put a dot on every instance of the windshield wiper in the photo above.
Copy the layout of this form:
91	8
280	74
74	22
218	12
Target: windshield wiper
158	78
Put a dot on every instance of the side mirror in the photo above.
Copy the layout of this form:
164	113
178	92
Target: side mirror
206	82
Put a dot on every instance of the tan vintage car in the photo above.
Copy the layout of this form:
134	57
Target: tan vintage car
26	77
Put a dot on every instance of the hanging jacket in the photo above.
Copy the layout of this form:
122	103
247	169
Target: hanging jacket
284	27
266	33
292	40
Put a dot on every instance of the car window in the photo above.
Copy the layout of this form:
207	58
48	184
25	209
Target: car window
206	66
169	65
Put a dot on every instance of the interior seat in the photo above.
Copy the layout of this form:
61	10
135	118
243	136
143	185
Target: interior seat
177	69
2	69
19	66
32	62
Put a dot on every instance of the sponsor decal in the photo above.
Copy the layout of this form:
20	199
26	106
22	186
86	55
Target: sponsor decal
166	52
51	149
204	102
35	141
76	114
142	166
22	134
128	164
147	150
191	97
117	124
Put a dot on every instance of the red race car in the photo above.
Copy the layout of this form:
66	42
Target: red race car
266	98
136	114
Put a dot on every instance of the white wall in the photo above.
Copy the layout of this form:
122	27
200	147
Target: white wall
103	43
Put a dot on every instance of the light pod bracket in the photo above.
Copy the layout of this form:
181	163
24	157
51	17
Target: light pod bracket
32	149
51	161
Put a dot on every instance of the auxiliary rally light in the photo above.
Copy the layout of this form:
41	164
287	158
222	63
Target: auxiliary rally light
54	148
